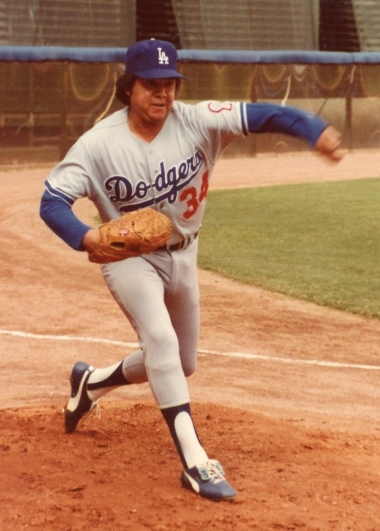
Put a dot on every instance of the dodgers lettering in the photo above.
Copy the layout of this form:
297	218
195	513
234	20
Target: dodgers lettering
170	182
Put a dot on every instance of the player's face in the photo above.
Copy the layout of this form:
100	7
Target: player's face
151	100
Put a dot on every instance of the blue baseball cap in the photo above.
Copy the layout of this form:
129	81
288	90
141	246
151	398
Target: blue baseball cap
152	59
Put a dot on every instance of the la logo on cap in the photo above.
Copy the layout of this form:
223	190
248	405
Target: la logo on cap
163	59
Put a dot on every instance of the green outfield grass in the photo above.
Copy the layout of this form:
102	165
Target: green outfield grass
318	242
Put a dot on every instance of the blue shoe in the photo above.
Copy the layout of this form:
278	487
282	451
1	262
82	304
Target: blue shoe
79	404
208	480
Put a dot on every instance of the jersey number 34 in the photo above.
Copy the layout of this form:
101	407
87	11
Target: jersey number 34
191	197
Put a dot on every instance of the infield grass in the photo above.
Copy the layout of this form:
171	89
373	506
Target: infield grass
318	242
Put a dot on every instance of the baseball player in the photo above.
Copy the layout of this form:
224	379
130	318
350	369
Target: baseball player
159	153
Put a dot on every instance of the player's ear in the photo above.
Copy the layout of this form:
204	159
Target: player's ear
178	86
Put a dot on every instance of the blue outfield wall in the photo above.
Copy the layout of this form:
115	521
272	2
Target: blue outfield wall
117	55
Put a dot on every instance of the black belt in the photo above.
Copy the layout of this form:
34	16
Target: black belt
179	245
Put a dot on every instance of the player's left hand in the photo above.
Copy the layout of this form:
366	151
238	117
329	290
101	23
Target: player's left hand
328	144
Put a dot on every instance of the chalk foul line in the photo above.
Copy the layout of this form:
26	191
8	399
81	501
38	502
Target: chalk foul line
242	355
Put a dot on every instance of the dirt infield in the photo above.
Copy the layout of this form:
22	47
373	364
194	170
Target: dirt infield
286	394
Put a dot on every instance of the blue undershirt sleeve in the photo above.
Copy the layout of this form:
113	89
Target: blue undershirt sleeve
272	118
59	217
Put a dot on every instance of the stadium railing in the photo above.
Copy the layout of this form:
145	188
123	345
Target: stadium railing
49	96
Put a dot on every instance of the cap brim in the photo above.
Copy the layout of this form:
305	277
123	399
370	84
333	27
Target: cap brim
159	73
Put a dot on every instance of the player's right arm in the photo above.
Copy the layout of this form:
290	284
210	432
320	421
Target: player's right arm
67	182
60	218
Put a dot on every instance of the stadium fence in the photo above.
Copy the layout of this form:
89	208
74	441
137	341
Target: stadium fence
49	96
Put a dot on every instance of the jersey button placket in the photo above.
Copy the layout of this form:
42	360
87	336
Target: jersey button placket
152	165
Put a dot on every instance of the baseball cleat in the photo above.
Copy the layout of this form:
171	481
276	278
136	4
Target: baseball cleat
208	480
79	404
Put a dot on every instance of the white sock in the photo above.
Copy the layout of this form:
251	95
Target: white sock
102	381
193	451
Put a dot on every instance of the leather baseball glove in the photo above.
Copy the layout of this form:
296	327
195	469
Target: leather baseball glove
133	234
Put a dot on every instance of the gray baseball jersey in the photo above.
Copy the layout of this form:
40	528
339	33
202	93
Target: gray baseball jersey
120	172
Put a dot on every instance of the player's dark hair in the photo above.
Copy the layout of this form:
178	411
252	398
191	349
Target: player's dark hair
125	84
